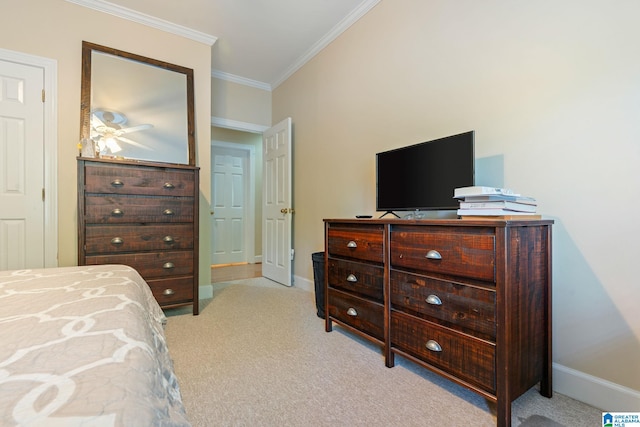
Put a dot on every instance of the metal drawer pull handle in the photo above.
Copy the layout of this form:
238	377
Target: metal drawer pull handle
168	265
117	241
433	299
117	183
432	254
351	278
433	346
117	212
352	311
352	244
169	186
168	212
168	292
168	239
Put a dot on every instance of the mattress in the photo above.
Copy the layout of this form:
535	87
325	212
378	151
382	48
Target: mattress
84	346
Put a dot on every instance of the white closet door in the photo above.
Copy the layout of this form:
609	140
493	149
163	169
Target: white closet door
229	188
22	164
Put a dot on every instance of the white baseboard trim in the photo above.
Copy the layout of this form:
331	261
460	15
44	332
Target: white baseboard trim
205	292
594	391
304	283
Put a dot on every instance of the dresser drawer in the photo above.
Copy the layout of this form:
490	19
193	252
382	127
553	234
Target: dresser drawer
462	306
111	178
356	277
151	264
172	291
127	209
357	242
459	251
102	239
359	313
463	356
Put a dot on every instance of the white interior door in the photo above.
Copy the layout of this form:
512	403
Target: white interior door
277	209
22	164
229	185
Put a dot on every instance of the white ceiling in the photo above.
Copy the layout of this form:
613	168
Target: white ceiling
260	41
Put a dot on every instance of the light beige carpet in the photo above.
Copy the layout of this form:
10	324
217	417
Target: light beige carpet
258	355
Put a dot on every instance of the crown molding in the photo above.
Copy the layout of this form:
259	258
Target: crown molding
341	27
240	80
144	19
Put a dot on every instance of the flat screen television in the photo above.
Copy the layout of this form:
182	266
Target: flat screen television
423	176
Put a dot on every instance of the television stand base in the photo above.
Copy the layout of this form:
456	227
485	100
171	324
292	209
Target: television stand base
389	213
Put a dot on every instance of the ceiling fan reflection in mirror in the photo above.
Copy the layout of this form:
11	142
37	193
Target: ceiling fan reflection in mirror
107	130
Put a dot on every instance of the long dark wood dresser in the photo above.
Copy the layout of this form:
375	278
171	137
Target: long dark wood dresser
467	299
144	215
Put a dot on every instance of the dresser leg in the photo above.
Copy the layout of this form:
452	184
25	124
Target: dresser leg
545	386
390	360
504	413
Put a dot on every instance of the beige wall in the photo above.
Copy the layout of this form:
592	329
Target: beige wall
551	89
55	29
241	103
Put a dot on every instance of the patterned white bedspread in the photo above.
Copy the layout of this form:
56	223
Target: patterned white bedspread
84	346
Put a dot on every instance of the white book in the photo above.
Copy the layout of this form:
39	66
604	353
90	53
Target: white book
499	197
490	212
478	190
499	204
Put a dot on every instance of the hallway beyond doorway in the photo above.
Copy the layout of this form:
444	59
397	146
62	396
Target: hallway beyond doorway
225	273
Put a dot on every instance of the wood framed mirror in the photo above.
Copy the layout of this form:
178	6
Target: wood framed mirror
136	108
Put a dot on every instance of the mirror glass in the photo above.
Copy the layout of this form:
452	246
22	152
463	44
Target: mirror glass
136	108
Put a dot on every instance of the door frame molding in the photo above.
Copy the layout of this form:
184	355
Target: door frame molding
50	147
250	195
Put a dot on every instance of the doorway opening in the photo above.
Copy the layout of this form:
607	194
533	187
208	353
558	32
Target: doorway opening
236	183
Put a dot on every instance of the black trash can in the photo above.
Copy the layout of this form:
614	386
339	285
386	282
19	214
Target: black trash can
318	278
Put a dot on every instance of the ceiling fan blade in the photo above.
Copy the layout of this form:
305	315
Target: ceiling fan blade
96	122
134	129
137	144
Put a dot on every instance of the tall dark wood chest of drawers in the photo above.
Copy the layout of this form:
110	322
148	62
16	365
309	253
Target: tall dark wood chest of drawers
144	215
467	299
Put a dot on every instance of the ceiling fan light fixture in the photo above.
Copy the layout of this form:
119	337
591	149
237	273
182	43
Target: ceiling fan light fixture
106	130
110	117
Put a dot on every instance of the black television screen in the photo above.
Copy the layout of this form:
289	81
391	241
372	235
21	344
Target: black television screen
423	176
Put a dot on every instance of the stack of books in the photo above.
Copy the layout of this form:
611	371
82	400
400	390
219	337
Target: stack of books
490	202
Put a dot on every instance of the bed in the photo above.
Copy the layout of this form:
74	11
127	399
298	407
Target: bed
84	346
